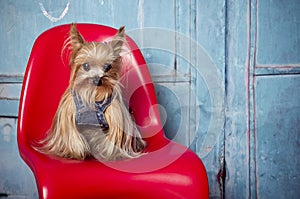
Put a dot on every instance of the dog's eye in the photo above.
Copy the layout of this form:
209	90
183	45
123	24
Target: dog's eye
86	66
107	67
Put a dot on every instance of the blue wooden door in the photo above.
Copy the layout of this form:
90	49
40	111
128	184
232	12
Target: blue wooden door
263	100
276	99
226	74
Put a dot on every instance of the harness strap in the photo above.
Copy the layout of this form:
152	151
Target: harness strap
101	106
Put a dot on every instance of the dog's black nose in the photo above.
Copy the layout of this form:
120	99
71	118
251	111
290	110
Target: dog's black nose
97	81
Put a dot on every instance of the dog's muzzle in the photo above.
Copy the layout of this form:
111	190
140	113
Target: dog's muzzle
97	81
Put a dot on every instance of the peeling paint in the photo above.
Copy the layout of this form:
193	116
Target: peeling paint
141	14
50	17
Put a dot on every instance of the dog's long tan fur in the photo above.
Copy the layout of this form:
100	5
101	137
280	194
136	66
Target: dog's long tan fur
66	138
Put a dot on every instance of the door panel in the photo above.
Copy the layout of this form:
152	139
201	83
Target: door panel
277	131
16	179
276	100
278	32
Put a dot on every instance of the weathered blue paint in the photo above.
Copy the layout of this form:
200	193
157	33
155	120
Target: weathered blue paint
16	178
275	112
202	55
278	20
277	130
237	143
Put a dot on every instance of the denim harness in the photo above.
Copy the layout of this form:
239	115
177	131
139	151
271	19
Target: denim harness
88	116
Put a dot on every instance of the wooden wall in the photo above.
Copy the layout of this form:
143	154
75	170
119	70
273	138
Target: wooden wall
226	75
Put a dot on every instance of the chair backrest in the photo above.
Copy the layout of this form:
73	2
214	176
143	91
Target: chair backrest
47	76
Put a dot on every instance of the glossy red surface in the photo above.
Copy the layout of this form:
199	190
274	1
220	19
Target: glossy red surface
168	170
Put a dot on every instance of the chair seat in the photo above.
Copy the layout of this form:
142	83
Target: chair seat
150	176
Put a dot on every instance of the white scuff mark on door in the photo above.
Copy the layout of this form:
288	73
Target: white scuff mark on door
140	20
50	17
101	2
141	14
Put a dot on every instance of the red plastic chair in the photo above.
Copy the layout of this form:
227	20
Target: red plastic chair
168	170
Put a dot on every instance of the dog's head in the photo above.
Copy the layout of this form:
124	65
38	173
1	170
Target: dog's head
95	66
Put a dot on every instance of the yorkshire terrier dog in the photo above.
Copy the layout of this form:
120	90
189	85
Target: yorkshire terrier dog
92	119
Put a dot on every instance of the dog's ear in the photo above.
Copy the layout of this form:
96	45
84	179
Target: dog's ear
118	40
76	41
